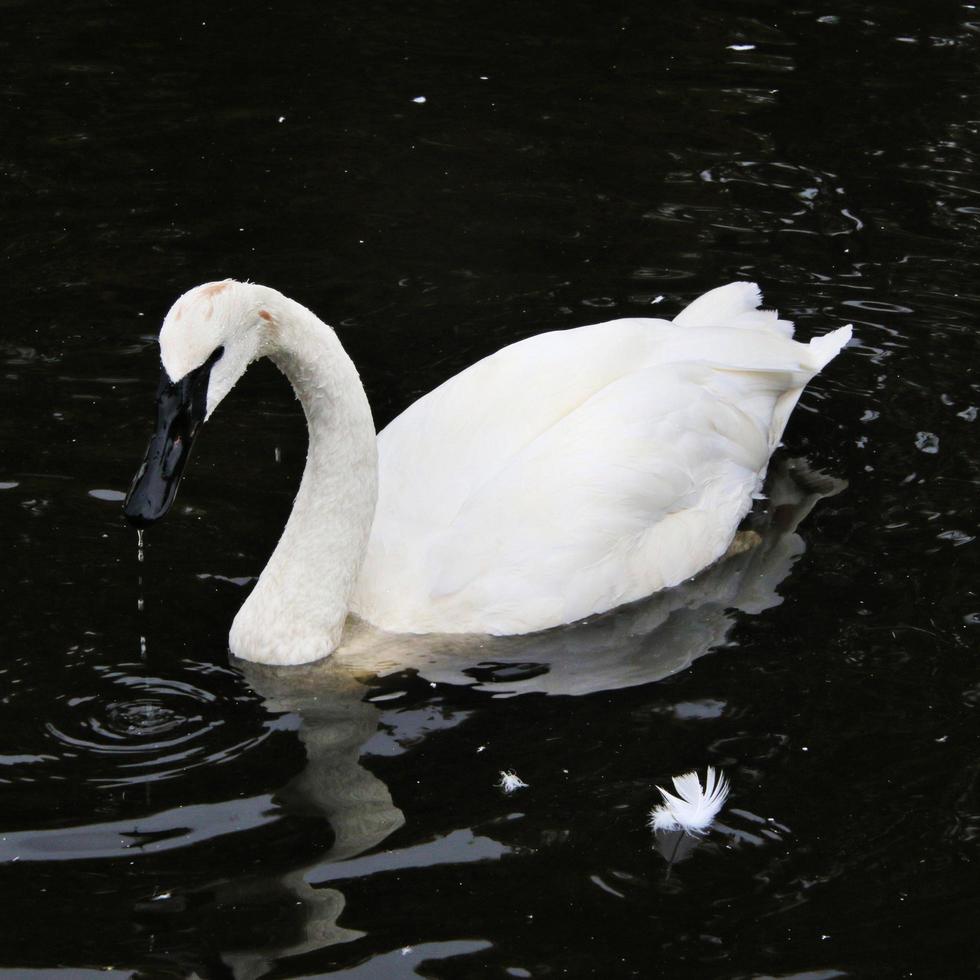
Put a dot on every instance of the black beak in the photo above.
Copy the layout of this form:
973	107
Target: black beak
181	408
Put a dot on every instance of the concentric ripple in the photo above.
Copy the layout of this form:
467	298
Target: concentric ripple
132	728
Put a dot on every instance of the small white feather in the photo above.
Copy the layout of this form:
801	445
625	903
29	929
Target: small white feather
509	781
693	808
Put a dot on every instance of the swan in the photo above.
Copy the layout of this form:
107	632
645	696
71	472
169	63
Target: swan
562	476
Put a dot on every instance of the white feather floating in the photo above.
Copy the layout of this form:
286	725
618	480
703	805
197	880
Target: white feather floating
509	781
693	808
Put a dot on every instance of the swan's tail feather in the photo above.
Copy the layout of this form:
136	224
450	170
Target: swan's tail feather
734	305
827	347
823	350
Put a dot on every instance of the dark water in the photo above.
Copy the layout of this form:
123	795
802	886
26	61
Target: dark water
164	814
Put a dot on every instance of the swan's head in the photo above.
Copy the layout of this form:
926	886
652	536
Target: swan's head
225	316
209	337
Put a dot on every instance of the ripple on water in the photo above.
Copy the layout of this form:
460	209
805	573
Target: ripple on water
132	728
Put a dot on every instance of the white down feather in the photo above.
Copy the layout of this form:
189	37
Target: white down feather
693	808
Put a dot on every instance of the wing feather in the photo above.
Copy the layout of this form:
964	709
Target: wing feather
577	470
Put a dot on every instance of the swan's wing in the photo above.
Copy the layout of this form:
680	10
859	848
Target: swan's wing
447	444
577	470
634	491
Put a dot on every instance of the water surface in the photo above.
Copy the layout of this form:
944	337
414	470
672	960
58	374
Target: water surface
167	813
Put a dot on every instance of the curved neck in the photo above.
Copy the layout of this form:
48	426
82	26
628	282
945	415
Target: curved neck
297	610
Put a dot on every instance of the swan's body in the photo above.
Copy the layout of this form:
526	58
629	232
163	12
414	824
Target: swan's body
560	477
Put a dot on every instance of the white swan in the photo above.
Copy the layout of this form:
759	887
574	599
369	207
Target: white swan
562	476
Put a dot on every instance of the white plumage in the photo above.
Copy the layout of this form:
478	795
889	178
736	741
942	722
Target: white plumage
510	781
693	808
560	477
580	469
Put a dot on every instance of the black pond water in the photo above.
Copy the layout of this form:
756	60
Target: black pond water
436	180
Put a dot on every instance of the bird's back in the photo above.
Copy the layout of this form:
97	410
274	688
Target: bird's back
579	469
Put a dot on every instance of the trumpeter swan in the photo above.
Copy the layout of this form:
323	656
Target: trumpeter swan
560	477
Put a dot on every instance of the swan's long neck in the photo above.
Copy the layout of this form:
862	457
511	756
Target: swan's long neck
297	610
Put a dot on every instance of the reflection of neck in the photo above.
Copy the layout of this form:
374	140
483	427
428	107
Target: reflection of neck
335	722
297	610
